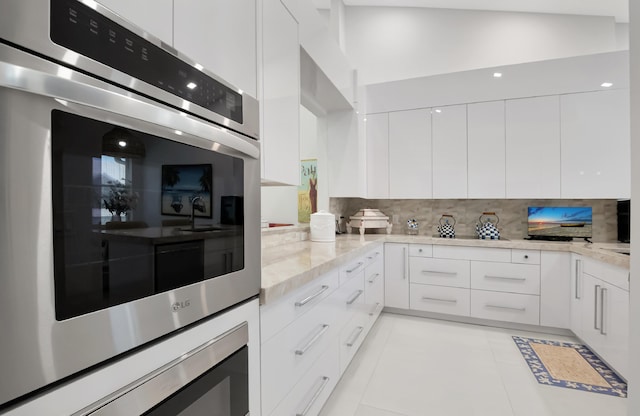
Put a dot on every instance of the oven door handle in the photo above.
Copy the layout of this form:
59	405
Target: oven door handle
76	90
148	391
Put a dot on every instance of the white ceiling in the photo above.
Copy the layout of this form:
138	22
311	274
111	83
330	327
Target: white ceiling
615	8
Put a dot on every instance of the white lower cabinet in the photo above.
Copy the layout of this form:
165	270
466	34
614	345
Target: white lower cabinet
440	299
396	275
310	335
501	306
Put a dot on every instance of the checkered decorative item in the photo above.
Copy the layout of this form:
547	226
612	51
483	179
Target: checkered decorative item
493	234
486	228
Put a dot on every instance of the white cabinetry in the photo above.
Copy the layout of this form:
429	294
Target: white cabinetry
595	144
377	155
533	147
577	293
221	36
555	289
449	135
280	106
396	275
410	154
159	23
486	150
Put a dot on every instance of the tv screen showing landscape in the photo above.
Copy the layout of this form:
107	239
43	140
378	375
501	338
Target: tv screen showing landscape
560	222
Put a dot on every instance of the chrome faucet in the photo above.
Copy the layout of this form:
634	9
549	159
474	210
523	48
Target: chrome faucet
193	209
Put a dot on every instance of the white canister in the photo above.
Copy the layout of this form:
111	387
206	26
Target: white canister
323	227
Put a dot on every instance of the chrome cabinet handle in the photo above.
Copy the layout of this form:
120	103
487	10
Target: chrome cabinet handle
355	267
355	296
373	277
375	307
374	255
315	396
313	340
308	299
520	279
603	306
355	337
578	283
426	298
404	262
595	307
439	272
506	307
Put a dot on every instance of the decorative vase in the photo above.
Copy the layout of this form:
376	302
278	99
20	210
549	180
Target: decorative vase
116	218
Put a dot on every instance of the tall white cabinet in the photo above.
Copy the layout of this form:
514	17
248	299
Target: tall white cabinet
595	144
486	150
280	106
159	23
377	155
533	147
449	135
396	275
410	154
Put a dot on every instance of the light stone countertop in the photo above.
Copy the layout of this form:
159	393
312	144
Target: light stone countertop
288	266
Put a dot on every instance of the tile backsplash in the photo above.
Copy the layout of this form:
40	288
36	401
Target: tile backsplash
512	213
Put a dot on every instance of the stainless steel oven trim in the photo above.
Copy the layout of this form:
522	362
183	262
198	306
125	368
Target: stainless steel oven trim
148	391
21	71
26	23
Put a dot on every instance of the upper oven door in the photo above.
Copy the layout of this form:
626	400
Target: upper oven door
99	252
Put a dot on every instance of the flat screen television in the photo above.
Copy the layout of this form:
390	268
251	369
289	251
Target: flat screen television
559	223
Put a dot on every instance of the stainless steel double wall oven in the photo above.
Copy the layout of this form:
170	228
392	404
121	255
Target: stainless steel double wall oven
129	192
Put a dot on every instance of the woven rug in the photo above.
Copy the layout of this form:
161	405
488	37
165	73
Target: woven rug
569	365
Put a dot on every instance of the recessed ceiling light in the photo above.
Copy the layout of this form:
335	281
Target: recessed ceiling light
438	110
178	132
606	84
122	143
192	85
497	74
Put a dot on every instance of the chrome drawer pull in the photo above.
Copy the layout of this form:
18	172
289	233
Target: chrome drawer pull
520	279
374	255
578	294
355	337
308	299
355	268
374	277
375	308
315	396
404	262
355	296
595	308
313	340
439	272
440	300
506	307
603	306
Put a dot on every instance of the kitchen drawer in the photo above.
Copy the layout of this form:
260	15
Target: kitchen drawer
291	352
440	299
351	337
374	256
441	272
313	389
525	256
617	276
351	269
472	253
420	250
277	315
374	284
506	277
510	307
349	299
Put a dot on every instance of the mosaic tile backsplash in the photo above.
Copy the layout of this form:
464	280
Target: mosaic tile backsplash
512	214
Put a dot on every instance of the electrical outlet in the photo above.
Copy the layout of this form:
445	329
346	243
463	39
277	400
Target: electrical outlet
395	218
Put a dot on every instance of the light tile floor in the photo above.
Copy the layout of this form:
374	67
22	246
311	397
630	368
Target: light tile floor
410	366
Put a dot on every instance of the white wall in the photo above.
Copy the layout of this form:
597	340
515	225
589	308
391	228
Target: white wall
388	43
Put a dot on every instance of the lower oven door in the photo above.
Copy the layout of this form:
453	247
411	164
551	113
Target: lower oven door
210	380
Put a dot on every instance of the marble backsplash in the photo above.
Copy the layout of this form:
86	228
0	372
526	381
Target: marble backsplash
512	214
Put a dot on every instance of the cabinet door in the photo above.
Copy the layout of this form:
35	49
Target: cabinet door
396	275
281	95
615	327
486	150
591	312
221	36
577	293
533	147
555	289
159	23
595	144
378	155
410	154
449	135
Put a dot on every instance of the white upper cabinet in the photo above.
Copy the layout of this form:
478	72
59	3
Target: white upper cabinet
533	147
280	104
486	150
377	128
410	154
595	144
449	135
221	36
159	23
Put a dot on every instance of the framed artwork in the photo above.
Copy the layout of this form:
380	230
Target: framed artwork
184	186
308	190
